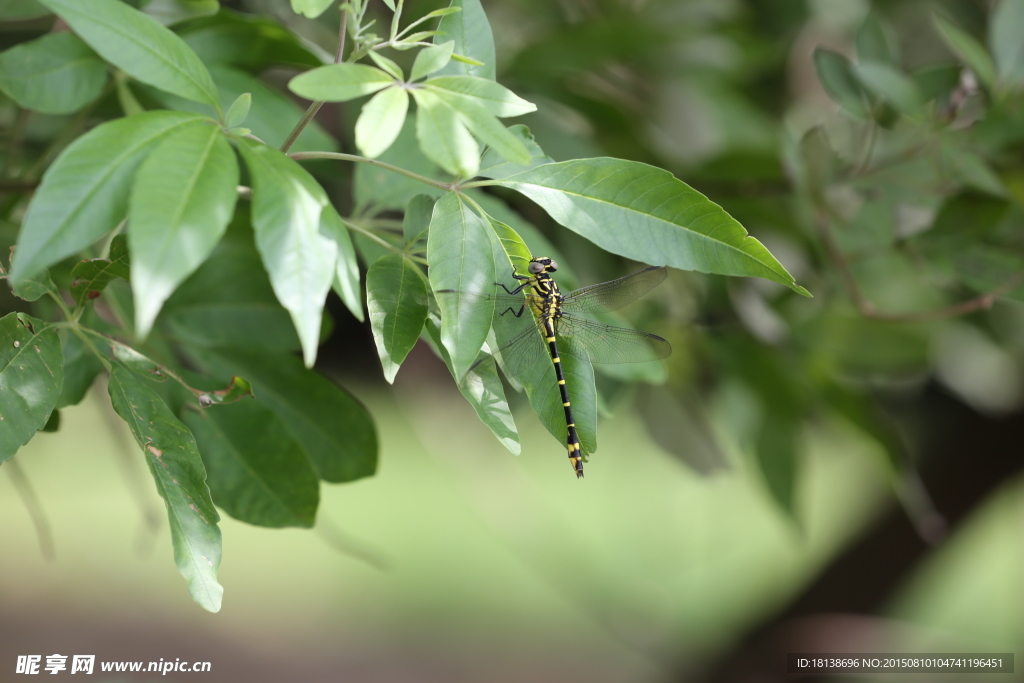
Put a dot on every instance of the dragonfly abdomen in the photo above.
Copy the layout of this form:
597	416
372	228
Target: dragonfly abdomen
572	440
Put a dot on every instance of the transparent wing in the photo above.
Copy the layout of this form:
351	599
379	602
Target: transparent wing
614	294
607	343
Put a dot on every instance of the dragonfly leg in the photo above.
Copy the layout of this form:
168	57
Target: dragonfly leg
513	311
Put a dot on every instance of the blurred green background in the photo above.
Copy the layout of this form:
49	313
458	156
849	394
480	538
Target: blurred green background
813	477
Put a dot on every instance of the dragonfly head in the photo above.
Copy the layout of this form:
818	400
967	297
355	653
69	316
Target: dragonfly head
542	264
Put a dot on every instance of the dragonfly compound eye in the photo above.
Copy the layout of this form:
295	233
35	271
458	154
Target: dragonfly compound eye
552	266
536	267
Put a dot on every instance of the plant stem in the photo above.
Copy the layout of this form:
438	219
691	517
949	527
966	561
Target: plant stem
315	106
341	156
32	506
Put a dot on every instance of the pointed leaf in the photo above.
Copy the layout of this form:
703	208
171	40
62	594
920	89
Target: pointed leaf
55	74
31	377
138	45
431	59
486	127
89	278
443	136
968	49
301	260
473	38
396	297
1005	30
33	288
644	213
417	218
483	389
836	76
777	459
873	42
334	429
493	165
340	82
381	121
257	472
494	97
180	478
183	198
387	65
458	258
238	111
84	194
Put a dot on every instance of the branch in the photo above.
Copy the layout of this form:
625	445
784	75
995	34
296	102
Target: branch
315	106
341	156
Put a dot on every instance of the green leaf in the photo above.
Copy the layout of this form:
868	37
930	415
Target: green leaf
473	38
968	49
81	367
483	389
257	472
443	136
238	111
396	297
31	376
381	121
459	259
389	190
644	213
873	42
301	260
53	424
891	85
417	218
18	10
1005	31
229	301
170	12
84	194
493	165
777	458
249	42
183	197
494	97
335	430
836	76
346	276
138	45
390	4
180	478
387	65
55	74
340	82
91	277
311	8
431	59
485	127
31	289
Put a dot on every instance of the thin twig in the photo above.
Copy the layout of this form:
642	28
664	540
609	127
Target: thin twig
315	106
34	508
341	156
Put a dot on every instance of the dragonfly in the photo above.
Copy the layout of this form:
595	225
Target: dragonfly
557	323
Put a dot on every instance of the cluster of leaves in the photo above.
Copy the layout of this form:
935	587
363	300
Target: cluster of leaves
189	288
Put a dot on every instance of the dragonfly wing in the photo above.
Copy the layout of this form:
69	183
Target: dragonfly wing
614	294
607	343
